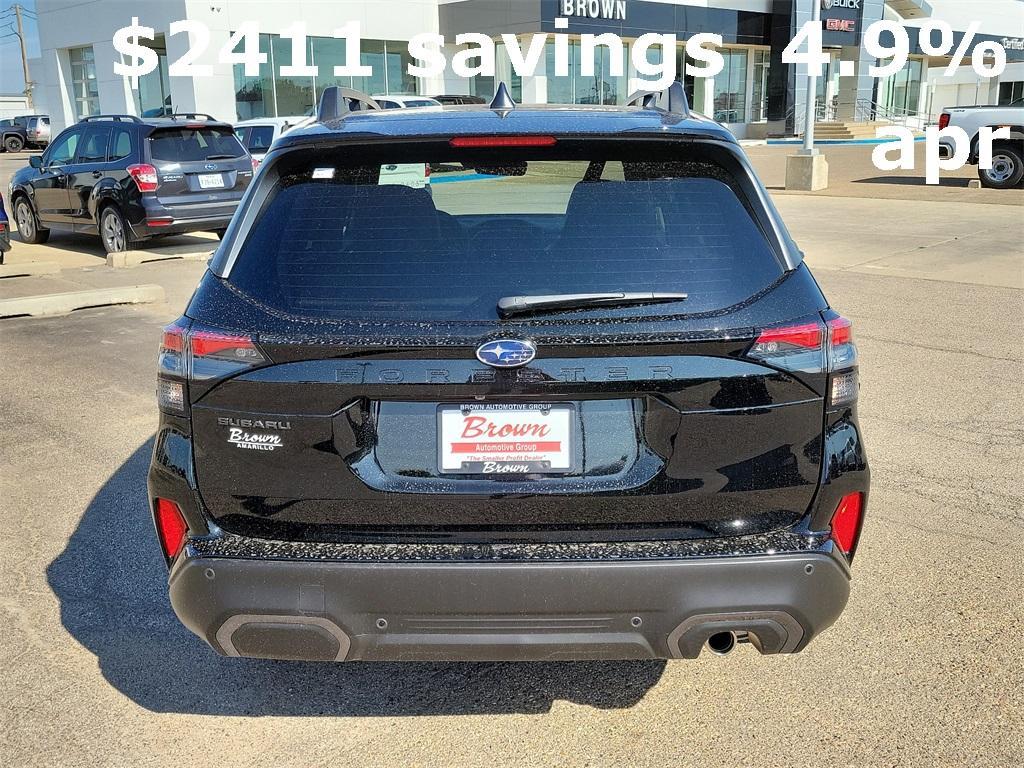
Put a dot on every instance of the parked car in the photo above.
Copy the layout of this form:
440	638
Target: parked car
459	99
127	179
5	231
37	130
13	134
258	134
1007	169
588	402
406	102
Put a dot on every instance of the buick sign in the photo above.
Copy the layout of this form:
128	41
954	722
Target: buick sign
506	353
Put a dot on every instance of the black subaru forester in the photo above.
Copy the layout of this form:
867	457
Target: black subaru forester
578	397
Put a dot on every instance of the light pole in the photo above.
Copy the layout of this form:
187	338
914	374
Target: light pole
807	170
812	91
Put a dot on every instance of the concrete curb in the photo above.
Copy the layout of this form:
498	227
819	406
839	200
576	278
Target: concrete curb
135	258
49	304
29	269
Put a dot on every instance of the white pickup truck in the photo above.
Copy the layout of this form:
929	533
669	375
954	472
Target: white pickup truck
1007	169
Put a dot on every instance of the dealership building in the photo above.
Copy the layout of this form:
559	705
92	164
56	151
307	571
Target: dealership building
755	94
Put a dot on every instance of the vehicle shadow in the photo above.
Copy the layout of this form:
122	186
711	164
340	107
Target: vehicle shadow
112	586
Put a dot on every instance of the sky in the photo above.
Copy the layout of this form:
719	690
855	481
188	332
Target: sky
11	80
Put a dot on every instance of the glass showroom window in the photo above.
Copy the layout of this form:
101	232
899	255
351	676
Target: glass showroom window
271	95
599	88
759	102
1011	92
731	88
902	91
254	96
484	86
84	89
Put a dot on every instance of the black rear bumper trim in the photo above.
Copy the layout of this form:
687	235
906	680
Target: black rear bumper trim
492	611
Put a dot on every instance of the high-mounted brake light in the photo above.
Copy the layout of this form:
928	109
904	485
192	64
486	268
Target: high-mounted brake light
471	142
846	522
145	176
170	527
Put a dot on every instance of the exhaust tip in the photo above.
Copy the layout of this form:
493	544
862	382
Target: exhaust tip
722	643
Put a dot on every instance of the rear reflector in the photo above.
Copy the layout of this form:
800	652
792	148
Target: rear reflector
162	222
170	527
503	141
846	522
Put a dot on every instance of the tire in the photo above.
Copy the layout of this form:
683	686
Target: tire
115	233
1007	168
13	143
28	224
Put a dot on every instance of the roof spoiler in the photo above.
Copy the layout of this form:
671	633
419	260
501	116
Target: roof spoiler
672	100
337	101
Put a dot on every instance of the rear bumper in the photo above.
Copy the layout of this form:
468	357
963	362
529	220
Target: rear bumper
156	219
342	611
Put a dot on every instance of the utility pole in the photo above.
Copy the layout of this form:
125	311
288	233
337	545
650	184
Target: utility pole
24	56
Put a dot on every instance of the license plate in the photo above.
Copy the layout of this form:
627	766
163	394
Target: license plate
211	181
505	439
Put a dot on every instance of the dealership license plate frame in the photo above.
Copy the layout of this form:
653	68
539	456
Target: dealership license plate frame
476	469
211	180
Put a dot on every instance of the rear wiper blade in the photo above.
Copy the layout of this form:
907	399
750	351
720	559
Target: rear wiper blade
222	157
524	305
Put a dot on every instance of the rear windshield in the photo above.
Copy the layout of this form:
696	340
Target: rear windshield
446	235
256	138
190	144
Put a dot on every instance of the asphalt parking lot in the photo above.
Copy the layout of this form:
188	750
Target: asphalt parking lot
923	668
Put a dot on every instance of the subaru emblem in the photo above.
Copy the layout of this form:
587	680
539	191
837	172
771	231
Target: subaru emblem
210	167
506	353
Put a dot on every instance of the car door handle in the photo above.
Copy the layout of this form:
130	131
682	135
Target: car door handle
97	174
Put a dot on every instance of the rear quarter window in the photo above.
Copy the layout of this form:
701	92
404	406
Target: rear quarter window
342	241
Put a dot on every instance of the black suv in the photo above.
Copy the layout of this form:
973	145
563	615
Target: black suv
13	134
581	400
128	179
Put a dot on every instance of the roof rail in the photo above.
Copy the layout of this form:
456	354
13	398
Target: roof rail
502	101
672	100
191	116
337	101
116	118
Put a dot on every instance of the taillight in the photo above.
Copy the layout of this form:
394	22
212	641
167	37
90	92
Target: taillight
846	522
170	527
844	383
944	120
796	347
814	347
199	354
145	176
255	163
